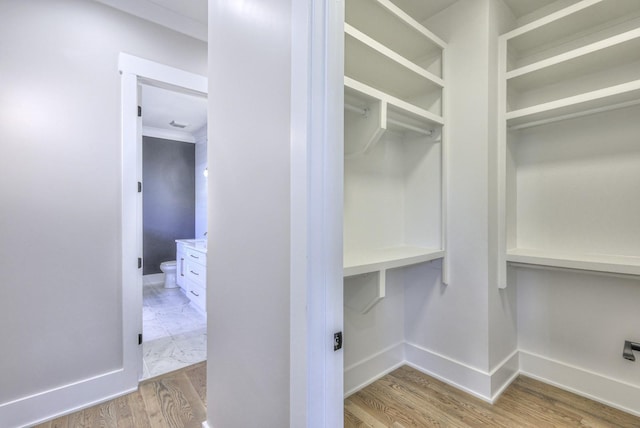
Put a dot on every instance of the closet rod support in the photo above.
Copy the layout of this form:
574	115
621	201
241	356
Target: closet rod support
365	112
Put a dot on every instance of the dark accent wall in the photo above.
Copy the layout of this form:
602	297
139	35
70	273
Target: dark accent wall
168	199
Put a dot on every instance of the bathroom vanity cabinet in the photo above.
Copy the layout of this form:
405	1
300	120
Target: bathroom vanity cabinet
191	270
195	264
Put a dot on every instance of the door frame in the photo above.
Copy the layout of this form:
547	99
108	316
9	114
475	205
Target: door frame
317	186
134	71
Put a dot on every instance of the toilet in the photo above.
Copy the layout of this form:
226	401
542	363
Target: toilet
169	269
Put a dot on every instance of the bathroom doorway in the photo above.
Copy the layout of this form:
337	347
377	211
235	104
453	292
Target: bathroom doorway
174	208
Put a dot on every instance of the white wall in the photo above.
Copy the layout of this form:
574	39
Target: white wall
502	302
462	332
249	223
61	165
461	308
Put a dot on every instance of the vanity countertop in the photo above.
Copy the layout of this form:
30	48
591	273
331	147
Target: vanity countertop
195	244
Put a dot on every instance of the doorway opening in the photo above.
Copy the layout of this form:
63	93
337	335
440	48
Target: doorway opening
174	216
147	87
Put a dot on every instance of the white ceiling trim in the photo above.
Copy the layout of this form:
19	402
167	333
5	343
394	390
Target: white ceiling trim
158	14
166	134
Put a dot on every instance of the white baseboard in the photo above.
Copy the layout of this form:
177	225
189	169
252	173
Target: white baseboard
485	385
606	390
367	371
152	279
51	404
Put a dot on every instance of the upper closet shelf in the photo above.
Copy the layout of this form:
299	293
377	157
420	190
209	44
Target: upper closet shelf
400	32
623	265
367	261
614	97
604	54
374	64
568	24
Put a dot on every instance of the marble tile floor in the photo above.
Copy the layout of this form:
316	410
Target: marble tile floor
174	332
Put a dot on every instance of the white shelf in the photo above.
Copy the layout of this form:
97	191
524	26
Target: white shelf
579	105
370	113
393	82
577	61
376	65
391	26
357	90
375	260
605	54
570	23
622	265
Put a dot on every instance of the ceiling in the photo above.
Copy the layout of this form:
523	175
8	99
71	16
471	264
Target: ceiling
185	16
162	106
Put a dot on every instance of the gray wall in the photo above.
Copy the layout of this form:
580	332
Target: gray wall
61	118
168	199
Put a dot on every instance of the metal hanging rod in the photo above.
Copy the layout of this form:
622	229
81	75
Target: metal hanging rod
356	109
365	113
575	115
427	132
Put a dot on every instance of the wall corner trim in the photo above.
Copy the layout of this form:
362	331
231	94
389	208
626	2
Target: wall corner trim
482	384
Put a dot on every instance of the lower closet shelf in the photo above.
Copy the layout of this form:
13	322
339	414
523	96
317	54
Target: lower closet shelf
604	263
367	261
362	296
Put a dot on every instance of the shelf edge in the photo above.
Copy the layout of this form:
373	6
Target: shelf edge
574	53
392	55
395	102
575	100
371	267
548	19
402	15
575	263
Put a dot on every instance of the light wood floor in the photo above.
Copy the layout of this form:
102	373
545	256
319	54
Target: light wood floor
407	398
174	400
402	399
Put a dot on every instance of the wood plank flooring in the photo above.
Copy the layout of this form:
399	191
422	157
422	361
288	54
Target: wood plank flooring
402	399
407	398
174	400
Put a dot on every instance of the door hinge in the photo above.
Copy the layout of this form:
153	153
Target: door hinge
139	186
139	111
139	338
139	262
337	341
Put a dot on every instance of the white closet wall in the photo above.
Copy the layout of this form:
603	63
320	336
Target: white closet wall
570	177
